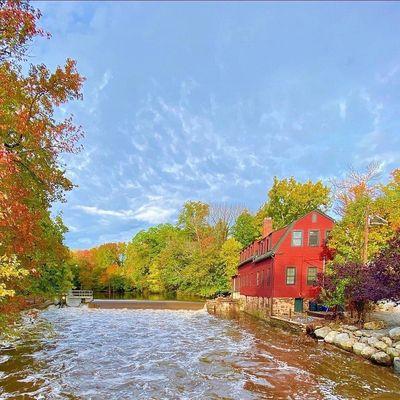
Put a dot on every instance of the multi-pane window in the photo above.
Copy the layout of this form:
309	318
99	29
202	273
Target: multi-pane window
313	238
290	275
311	275
297	238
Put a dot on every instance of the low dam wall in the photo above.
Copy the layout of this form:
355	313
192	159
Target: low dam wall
148	304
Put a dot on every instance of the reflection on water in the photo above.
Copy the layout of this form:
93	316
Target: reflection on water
146	296
143	354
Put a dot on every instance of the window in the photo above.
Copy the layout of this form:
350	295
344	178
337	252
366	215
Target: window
297	238
262	278
258	278
311	276
313	238
290	275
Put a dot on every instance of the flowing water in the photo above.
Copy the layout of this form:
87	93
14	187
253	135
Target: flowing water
140	354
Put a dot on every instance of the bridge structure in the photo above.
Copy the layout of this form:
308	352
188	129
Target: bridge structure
75	298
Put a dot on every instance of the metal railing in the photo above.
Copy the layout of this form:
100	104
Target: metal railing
83	294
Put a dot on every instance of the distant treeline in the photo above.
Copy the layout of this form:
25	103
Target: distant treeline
200	253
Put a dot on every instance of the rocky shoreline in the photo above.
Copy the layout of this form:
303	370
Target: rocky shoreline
381	346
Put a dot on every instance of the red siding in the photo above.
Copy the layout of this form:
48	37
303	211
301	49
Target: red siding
286	255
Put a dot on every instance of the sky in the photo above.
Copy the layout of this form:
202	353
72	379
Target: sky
210	101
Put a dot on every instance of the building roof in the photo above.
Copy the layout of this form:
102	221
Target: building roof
286	230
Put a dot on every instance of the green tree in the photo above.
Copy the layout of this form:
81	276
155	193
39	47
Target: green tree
229	255
289	199
358	197
245	229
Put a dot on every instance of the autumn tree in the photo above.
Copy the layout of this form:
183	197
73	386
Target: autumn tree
359	197
32	175
289	199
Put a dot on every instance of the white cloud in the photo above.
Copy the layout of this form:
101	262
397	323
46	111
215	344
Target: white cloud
151	212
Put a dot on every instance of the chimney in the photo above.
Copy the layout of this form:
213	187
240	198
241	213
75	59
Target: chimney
267	227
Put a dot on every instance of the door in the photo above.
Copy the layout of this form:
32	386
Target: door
298	305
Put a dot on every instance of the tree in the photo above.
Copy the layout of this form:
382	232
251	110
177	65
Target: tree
357	284
193	220
222	216
358	197
245	229
10	269
289	199
32	139
229	255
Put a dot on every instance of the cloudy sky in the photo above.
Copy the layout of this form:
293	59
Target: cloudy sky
209	101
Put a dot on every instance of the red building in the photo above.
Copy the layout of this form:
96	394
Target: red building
283	265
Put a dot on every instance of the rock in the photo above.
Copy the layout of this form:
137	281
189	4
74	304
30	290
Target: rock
368	352
395	334
381	358
396	365
364	340
350	328
359	347
392	352
322	332
347	344
374	325
341	337
330	337
381	345
372	340
358	333
387	340
397	346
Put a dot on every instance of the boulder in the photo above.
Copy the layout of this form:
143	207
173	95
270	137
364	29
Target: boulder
368	352
341	337
372	340
397	346
394	334
322	332
364	340
381	358
347	344
396	365
358	333
359	347
330	337
374	325
381	345
392	352
350	328
387	340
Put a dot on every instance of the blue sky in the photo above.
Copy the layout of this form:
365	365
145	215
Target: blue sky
208	101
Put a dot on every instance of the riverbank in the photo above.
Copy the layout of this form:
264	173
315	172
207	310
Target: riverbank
12	310
381	346
376	343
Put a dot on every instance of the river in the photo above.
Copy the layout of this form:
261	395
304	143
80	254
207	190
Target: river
140	354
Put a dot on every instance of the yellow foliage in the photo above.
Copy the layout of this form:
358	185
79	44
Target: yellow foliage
9	269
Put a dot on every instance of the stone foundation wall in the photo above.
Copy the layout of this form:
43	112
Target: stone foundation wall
260	307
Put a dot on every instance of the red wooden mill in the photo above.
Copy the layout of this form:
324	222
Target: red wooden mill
281	268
